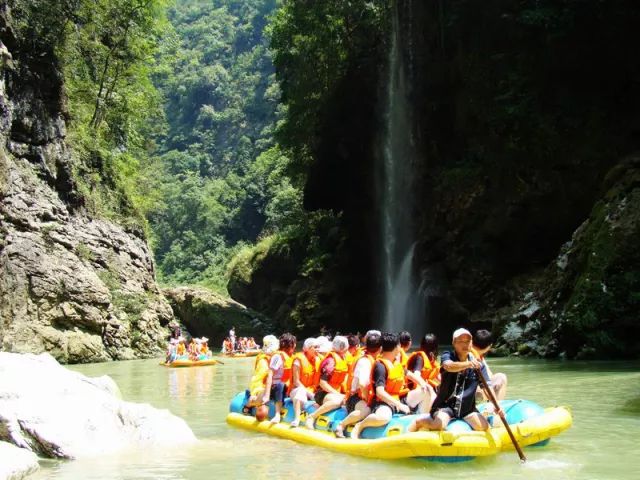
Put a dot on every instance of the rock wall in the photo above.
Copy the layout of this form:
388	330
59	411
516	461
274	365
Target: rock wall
205	313
78	287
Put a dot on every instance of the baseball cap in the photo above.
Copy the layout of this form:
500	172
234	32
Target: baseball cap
460	332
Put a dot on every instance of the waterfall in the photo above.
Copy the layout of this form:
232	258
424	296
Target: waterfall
403	302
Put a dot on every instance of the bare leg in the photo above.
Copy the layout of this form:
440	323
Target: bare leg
380	417
331	402
419	397
426	422
477	421
360	411
499	385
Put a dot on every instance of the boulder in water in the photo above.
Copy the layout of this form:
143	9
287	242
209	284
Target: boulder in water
58	413
16	463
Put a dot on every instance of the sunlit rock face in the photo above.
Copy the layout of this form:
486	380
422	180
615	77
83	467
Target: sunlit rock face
57	413
78	287
15	462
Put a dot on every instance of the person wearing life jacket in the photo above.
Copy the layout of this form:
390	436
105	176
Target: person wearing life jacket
333	373
456	397
261	370
423	368
172	353
279	376
481	345
388	381
181	349
352	351
360	389
405	345
323	347
305	375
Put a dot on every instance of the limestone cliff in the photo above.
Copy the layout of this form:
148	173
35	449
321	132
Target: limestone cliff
81	288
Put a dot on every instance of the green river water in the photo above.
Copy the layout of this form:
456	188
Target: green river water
602	444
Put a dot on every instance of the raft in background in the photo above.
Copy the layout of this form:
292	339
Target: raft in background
247	353
183	363
530	423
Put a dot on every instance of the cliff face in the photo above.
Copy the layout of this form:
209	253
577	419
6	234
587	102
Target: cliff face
524	115
80	288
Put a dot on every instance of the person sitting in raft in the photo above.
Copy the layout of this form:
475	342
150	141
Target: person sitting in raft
323	347
172	352
353	350
423	368
203	350
482	343
279	376
333	373
388	381
305	375
261	370
360	391
181	349
405	345
456	398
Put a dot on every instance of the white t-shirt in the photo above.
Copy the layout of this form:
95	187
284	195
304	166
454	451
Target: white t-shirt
277	365
361	374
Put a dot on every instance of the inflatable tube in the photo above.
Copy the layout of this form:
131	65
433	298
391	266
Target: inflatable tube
180	363
531	425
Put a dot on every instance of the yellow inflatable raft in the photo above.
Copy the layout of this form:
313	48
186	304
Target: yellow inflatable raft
393	442
190	363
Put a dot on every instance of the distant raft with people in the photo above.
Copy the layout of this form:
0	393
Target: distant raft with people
531	424
185	363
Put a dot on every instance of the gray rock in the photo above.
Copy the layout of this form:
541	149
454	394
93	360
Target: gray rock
79	416
15	462
77	286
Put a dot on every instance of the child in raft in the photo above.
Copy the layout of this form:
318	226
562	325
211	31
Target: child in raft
481	345
279	375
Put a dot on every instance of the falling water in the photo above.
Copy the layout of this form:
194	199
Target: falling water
403	304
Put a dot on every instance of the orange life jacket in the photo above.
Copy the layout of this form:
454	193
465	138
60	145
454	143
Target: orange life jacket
339	375
259	358
395	378
403	358
309	372
287	362
430	370
180	350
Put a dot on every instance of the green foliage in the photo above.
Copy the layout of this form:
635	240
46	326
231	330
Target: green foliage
107	59
315	44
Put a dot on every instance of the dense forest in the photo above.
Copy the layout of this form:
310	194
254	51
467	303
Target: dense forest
242	140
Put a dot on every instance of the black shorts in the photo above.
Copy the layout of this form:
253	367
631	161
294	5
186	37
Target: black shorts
394	410
449	411
319	396
352	402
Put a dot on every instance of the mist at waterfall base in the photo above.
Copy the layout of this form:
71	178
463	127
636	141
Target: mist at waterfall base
404	299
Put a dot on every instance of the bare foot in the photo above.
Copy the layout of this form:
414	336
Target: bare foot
339	431
309	423
355	433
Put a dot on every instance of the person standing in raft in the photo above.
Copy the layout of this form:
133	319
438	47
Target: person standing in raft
361	392
482	343
304	377
333	374
456	398
423	368
261	371
405	345
388	383
279	376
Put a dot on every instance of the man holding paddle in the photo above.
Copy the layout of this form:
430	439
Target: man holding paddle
456	398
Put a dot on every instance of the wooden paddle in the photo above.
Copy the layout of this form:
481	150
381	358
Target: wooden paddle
489	392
